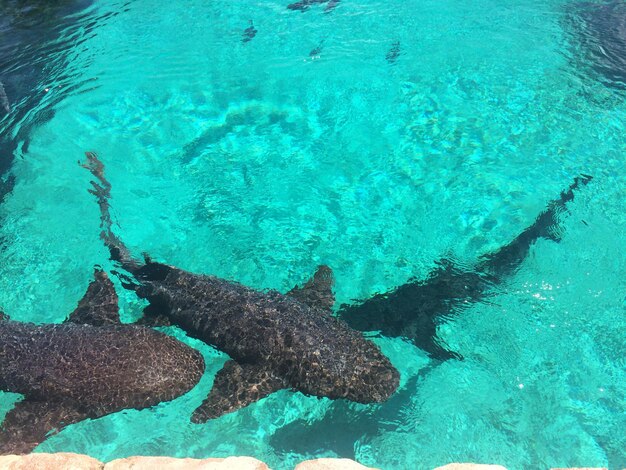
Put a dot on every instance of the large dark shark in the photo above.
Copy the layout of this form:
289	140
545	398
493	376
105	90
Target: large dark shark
414	309
88	367
275	341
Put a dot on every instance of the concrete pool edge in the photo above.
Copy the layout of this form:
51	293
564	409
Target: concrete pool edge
70	461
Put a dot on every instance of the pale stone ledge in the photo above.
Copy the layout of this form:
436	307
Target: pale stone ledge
63	460
170	463
470	466
68	461
331	464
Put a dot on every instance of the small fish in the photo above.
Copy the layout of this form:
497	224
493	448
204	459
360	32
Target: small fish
332	4
393	53
304	5
249	33
316	51
4	99
301	5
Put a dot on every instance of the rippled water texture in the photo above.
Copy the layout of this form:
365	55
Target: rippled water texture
377	138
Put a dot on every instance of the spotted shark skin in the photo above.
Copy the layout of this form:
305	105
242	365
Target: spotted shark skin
413	310
275	341
88	367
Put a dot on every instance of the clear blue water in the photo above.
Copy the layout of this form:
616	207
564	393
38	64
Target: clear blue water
257	162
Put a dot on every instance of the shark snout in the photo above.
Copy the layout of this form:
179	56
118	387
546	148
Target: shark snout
377	380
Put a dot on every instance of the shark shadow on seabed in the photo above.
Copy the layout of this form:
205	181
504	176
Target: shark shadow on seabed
88	367
414	309
343	425
275	341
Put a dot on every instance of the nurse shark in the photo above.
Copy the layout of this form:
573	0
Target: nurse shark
275	341
88	367
414	309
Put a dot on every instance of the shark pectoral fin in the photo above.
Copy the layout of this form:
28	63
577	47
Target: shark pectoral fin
30	422
318	291
99	304
236	386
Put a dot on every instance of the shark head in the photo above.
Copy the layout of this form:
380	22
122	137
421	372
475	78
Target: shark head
371	378
346	366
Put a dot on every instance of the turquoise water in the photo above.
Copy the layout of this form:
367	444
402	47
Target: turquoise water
256	162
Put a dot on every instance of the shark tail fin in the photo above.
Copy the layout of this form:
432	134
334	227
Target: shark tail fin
101	188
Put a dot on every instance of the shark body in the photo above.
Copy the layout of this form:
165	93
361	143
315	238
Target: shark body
275	341
88	367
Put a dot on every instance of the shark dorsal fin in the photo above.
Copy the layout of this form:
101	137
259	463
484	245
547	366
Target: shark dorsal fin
317	292
236	386
98	306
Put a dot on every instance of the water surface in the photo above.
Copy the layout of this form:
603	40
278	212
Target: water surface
256	161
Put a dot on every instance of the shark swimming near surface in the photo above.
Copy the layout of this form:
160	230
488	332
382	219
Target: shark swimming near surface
88	367
275	341
414	309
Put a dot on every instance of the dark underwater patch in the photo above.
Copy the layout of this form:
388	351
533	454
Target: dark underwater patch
600	31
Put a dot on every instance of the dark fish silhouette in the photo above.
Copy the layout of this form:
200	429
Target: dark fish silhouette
249	33
304	5
316	51
414	309
4	99
275	341
88	367
393	53
332	4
